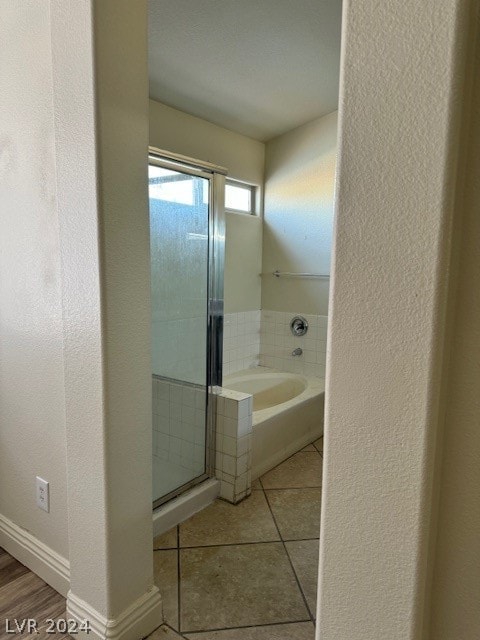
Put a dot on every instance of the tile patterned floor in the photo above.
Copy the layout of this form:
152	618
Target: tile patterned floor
249	571
244	572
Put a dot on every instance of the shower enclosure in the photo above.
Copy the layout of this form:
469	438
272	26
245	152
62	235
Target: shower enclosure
187	260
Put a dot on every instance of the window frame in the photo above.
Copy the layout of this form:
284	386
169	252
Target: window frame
253	195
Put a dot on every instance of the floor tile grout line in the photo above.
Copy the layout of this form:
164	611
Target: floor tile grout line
179	633
280	463
249	626
230	544
238	544
291	488
293	454
289	457
289	559
178	548
320	452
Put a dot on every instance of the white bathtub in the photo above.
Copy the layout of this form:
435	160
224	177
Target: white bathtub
287	413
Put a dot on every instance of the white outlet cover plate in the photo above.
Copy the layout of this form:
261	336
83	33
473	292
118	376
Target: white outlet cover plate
43	494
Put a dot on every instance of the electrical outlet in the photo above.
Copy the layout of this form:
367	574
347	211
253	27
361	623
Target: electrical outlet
43	494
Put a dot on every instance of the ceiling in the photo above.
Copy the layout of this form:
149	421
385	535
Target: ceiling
258	67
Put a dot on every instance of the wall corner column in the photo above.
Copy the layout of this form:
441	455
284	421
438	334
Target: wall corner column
99	50
401	78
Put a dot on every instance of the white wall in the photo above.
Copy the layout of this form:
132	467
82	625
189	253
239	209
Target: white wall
180	132
298	215
104	243
243	262
32	403
244	158
456	575
399	121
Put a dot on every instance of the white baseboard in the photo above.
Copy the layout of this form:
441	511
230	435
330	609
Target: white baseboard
185	506
34	554
138	621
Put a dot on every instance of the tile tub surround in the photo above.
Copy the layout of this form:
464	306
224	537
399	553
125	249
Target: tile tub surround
241	341
233	444
277	343
263	337
236	572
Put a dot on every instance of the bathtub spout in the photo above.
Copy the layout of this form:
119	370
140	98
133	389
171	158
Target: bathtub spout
297	352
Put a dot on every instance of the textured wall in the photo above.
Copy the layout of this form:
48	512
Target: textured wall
394	207
243	262
180	132
32	434
244	158
101	112
456	576
298	216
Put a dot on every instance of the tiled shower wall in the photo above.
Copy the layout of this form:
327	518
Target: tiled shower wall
179	424
277	343
264	338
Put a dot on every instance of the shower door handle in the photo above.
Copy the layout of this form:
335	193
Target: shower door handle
216	342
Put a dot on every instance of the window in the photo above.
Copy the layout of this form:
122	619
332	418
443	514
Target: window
173	186
239	197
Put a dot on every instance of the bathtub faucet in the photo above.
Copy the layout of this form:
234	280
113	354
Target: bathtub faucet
297	352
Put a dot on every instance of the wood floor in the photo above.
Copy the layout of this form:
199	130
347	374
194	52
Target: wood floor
24	595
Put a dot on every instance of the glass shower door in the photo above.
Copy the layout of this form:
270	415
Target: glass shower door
181	244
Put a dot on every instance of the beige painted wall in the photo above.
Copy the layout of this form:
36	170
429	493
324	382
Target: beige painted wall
180	132
298	215
104	244
32	403
243	262
244	158
399	123
456	576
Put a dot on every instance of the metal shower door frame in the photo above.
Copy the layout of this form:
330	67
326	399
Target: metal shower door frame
215	298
